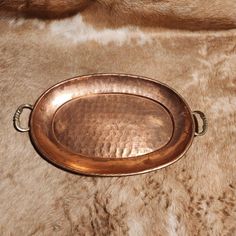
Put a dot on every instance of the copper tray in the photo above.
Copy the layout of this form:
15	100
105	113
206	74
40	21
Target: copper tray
111	125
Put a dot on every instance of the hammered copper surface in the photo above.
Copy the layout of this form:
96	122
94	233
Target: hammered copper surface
111	125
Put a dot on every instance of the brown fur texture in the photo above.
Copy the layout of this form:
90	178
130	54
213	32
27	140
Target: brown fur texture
195	196
181	14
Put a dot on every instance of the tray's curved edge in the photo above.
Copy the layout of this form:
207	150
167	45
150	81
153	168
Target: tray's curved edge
89	174
111	74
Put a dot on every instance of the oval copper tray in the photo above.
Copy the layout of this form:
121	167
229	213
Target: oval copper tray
111	125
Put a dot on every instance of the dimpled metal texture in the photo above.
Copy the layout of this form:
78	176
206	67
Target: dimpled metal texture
111	125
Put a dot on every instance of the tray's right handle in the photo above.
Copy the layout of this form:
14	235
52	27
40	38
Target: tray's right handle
16	117
204	125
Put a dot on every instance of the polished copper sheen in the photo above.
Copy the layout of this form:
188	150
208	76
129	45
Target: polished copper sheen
111	125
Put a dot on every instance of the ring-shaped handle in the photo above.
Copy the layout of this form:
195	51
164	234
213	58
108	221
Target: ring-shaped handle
16	118
204	121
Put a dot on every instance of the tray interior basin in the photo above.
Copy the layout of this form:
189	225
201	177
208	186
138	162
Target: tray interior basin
112	125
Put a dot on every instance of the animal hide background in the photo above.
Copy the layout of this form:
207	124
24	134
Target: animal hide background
195	196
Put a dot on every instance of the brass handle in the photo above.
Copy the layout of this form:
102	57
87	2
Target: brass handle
204	125
16	118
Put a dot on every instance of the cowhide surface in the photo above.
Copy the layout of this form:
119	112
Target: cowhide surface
195	196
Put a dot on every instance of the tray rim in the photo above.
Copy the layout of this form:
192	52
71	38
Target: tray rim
42	153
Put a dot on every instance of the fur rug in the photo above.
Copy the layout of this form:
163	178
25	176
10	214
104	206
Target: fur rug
185	14
195	196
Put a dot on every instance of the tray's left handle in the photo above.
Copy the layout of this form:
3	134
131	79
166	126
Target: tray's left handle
16	118
204	123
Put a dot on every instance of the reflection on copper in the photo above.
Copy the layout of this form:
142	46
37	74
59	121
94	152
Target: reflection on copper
59	100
